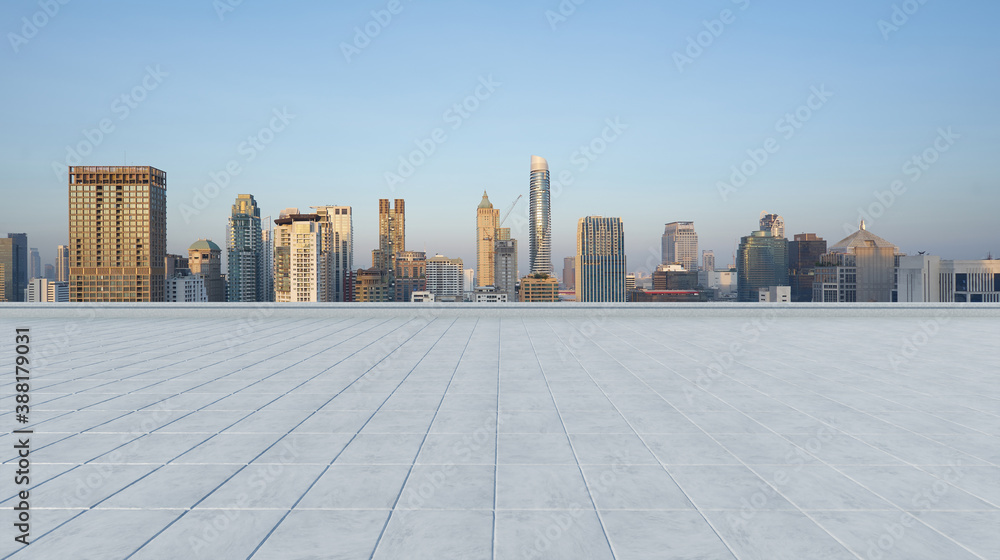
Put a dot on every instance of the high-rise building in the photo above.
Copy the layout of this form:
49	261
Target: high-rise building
42	290
931	279
62	263
267	246
391	234
680	245
761	262
600	260
411	274
708	260
34	264
674	278
185	287
540	218
487	222
373	285
14	257
772	223
3	283
803	254
298	242
49	273
629	282
245	251
569	273
117	233
337	255
445	278
539	288
505	268
859	268
469	279
205	258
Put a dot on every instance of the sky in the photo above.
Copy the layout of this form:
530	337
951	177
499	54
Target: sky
652	111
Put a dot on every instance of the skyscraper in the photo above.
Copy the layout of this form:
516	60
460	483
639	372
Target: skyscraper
680	245
708	261
540	218
298	241
117	233
244	246
803	254
761	262
391	234
487	221
337	254
14	258
569	273
34	264
505	268
205	258
267	246
600	260
411	274
62	263
772	223
49	272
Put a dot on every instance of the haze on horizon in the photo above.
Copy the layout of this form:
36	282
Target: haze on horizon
643	110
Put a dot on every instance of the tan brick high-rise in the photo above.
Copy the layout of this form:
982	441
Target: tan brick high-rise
117	233
487	220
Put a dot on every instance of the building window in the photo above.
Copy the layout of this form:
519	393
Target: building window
960	298
961	282
976	298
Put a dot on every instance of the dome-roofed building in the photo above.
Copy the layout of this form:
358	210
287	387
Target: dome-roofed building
859	268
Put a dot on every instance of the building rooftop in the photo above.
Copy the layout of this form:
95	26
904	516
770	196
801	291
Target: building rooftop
485	204
477	432
204	245
860	238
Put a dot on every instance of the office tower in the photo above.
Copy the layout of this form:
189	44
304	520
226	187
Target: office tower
245	251
49	273
469	278
708	260
117	233
3	281
803	254
173	263
487	221
931	279
445	278
298	242
629	282
772	223
569	273
505	268
373	285
337	253
185	287
540	218
539	288
680	245
761	262
62	263
205	258
600	260
34	264
672	277
859	268
14	256
42	290
391	234
267	246
411	274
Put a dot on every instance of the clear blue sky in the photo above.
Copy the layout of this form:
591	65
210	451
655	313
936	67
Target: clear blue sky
559	82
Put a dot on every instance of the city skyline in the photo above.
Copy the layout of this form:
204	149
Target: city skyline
653	128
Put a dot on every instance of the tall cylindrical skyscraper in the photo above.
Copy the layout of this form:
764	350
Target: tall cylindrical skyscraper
540	220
